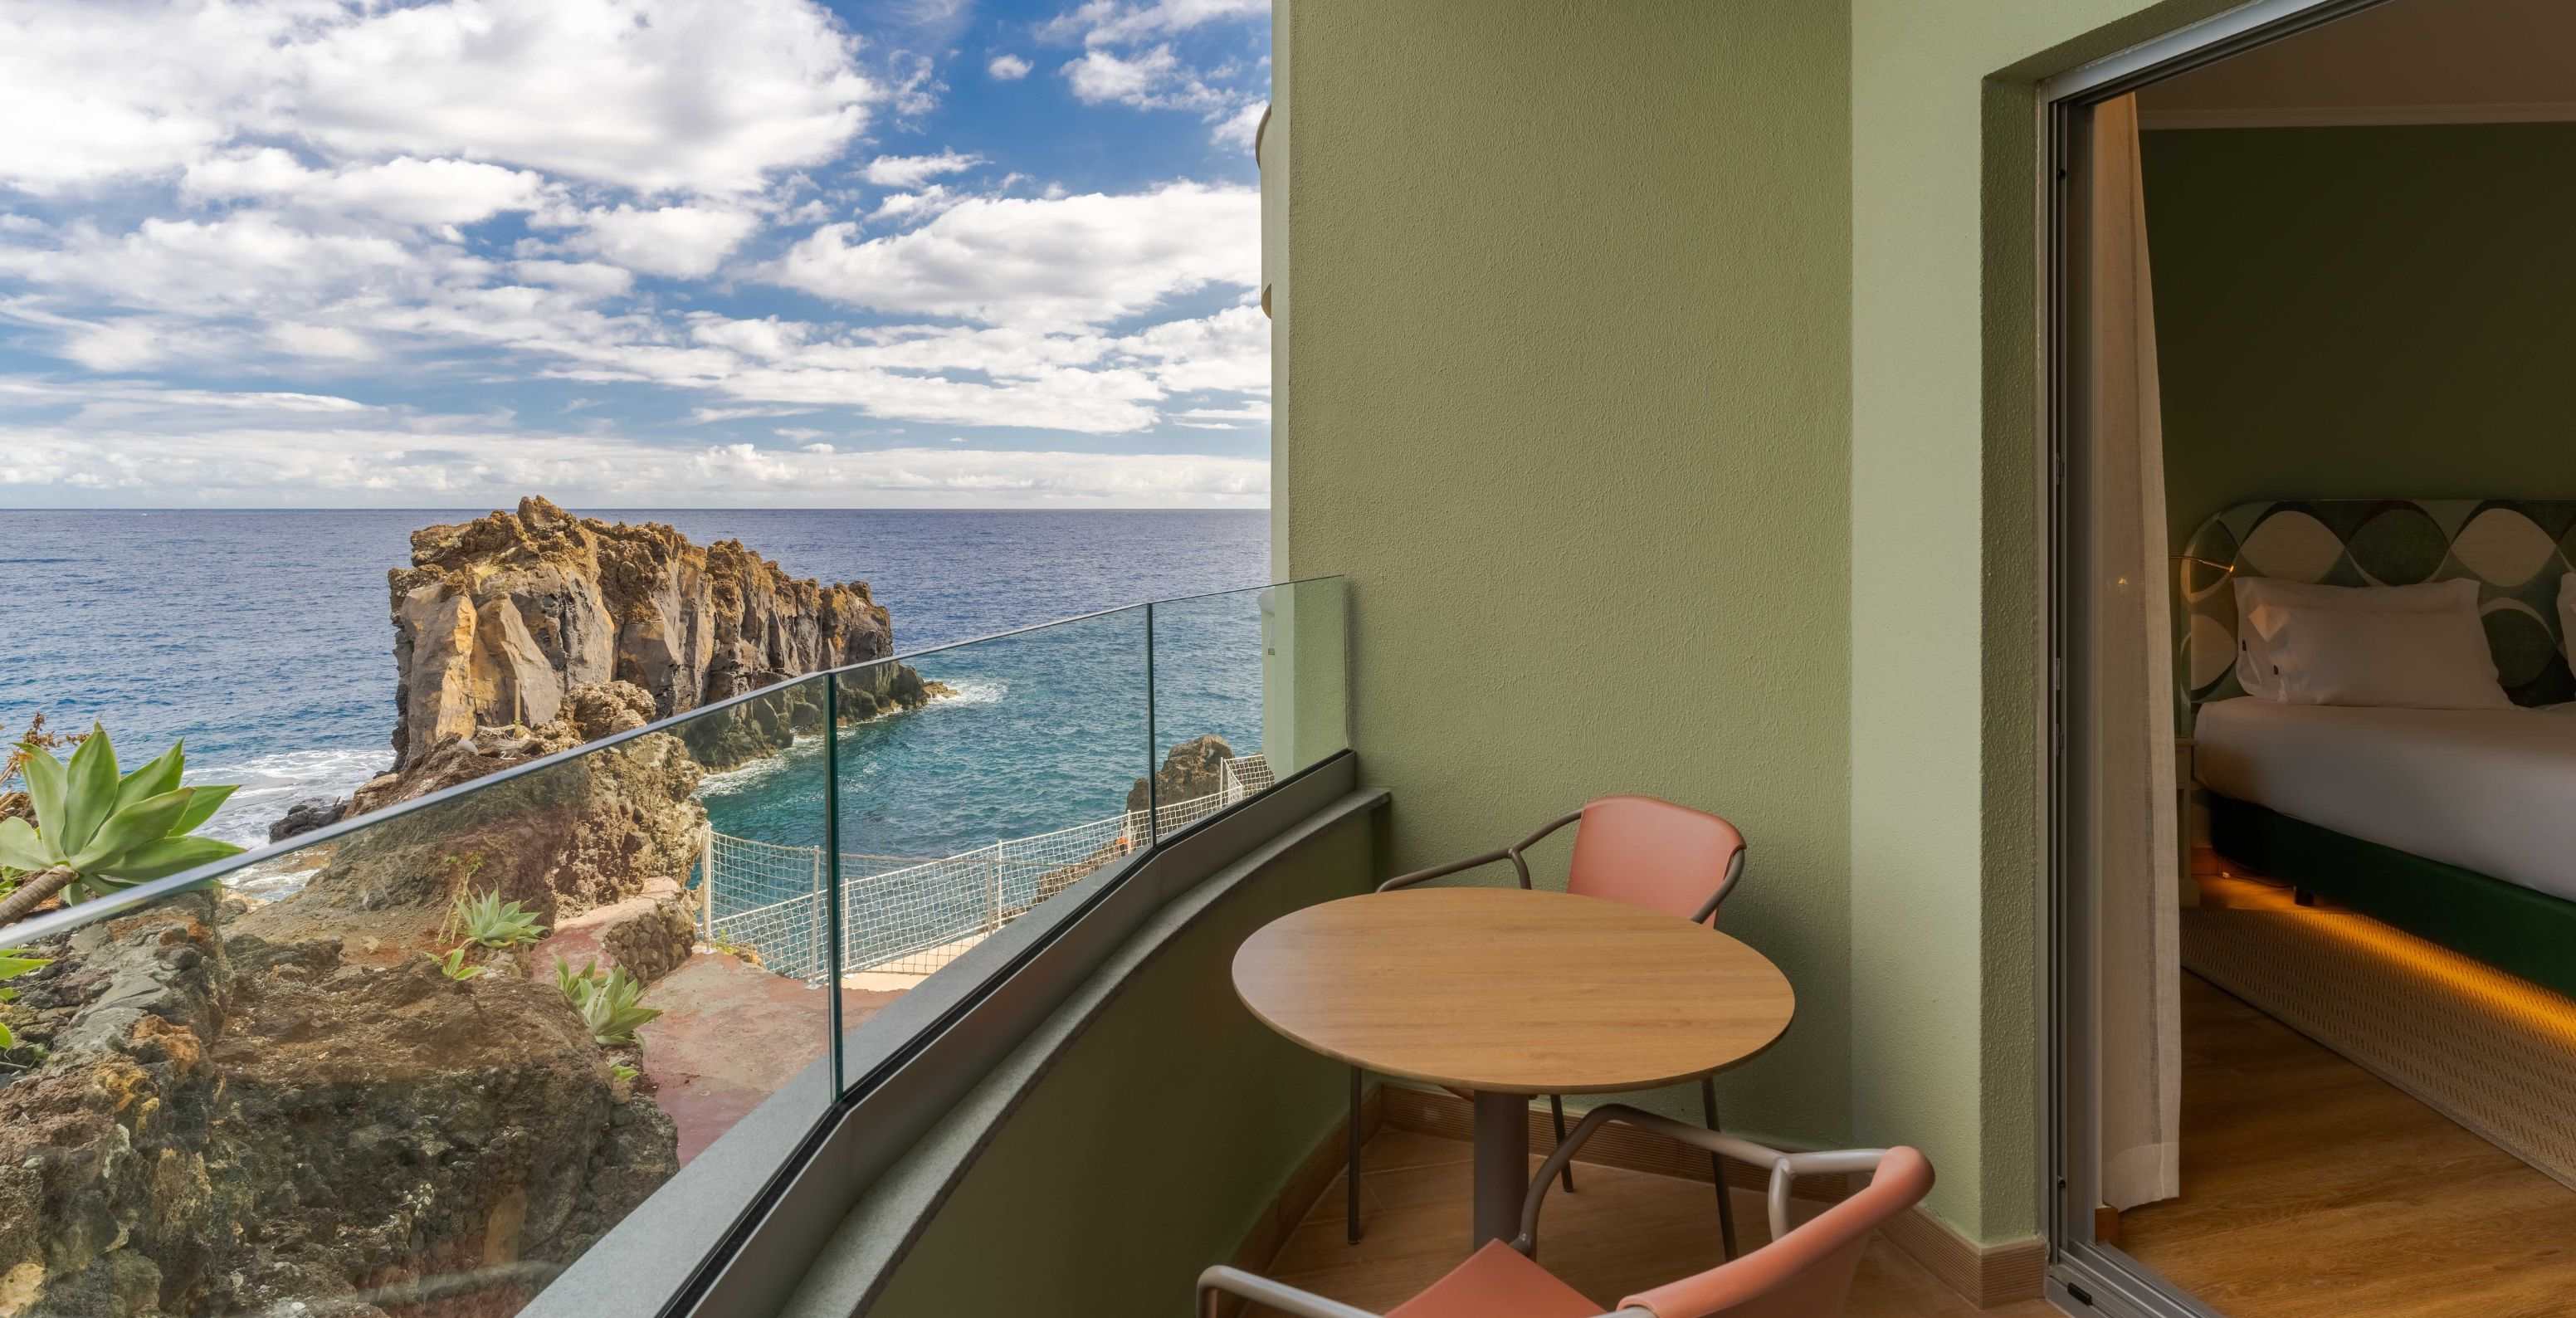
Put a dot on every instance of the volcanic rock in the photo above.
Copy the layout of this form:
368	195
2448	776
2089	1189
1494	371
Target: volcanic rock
498	621
1191	770
225	1125
305	816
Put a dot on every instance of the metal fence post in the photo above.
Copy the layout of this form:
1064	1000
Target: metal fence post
822	913
707	884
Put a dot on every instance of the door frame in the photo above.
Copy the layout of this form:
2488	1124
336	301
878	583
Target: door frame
2084	1275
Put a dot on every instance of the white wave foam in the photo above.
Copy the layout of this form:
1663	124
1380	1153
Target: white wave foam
271	783
972	693
746	776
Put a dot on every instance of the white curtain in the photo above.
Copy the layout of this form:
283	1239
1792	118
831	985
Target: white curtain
2137	948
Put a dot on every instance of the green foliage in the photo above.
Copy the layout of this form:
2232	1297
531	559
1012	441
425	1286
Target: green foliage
494	923
13	963
610	1004
624	1072
110	830
453	964
570	982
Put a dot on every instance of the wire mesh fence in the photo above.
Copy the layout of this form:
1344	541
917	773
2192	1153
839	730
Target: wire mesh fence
911	917
767	899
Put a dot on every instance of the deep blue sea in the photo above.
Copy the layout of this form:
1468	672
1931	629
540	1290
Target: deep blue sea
263	639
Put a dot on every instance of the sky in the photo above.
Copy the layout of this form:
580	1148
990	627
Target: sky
632	253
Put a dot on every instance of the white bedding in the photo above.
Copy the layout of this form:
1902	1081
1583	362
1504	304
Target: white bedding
2491	790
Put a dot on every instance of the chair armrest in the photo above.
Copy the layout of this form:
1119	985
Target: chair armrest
1734	875
1785	1167
1511	853
1269	1294
1453	867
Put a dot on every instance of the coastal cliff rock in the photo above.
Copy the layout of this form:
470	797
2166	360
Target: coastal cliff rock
499	620
589	832
225	1124
1192	769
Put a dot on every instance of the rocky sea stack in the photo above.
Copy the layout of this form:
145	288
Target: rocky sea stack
498	621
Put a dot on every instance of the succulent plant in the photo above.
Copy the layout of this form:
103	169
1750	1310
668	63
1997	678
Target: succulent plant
13	963
453	964
96	831
611	1004
495	923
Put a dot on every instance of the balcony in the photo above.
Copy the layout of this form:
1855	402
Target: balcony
558	1038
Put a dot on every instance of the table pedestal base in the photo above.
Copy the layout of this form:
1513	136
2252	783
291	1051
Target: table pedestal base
1502	1166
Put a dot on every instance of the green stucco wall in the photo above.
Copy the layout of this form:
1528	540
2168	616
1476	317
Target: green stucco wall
1666	377
1152	1141
1946	640
2363	312
1564	395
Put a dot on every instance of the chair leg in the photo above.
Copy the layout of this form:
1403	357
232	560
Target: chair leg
1717	1167
1351	1209
1556	1109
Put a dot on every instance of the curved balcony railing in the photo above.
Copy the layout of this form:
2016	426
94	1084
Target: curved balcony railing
436	1054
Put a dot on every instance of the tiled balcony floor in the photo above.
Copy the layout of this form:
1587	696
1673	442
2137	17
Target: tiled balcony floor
1622	1231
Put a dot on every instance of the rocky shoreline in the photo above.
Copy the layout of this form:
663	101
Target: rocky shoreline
219	1105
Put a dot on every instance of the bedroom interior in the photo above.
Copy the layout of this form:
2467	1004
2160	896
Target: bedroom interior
2329	770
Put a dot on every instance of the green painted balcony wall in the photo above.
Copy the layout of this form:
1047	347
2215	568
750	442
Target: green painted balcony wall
1566	392
1665	375
1153	1141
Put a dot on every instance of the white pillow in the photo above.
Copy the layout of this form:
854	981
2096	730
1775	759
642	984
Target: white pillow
2420	647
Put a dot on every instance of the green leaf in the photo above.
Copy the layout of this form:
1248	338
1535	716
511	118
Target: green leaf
202	807
144	821
21	848
7	1040
12	966
164	857
161	775
89	791
45	788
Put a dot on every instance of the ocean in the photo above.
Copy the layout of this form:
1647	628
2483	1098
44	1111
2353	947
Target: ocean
262	637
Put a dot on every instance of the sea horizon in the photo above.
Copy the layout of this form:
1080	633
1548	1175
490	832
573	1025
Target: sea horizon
262	637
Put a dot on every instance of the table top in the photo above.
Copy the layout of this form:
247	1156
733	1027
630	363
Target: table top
1508	991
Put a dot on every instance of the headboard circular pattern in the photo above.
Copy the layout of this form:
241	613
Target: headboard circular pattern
2515	549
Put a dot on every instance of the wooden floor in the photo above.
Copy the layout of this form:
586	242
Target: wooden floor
1622	1232
2312	1189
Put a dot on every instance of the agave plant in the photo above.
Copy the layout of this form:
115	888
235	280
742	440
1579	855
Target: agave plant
611	1005
495	923
13	963
453	964
95	830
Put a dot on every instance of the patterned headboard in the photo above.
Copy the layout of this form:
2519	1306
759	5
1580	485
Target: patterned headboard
2516	549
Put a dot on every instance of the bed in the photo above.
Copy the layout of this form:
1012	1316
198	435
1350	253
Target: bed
2456	825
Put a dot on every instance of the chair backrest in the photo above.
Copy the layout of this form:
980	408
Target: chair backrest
1652	853
1806	1273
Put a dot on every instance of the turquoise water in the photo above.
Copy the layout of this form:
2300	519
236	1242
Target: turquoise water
262	638
1046	730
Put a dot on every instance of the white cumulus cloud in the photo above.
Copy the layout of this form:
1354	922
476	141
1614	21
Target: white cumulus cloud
913	171
1108	22
652	95
682	242
1075	260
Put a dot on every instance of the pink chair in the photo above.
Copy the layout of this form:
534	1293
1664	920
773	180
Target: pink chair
1804	1272
1641	850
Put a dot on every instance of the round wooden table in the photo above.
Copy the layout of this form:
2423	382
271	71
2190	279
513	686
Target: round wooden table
1504	993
